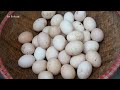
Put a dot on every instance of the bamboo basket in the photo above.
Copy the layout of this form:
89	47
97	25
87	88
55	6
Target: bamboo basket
11	27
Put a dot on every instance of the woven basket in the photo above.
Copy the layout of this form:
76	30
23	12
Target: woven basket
10	51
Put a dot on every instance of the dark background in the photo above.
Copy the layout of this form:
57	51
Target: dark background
2	15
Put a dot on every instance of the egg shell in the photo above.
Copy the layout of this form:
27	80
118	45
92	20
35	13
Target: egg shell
26	61
51	53
54	30
45	75
94	58
39	53
35	41
48	14
44	40
66	27
84	70
78	26
59	42
46	29
75	35
39	66
69	16
56	20
74	48
76	60
89	23
91	45
63	57
97	35
25	37
86	36
54	66
39	24
27	48
80	15
68	72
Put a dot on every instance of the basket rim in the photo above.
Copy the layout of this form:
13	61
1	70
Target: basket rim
107	75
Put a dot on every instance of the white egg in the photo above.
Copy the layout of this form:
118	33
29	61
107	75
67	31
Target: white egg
91	45
75	35
66	27
48	14
45	75
68	72
97	35
46	29
26	61
84	70
86	36
89	23
59	42
44	40
39	66
56	20
54	30
63	57
39	53
27	48
74	48
54	66
78	26
69	16
39	24
80	15
94	58
51	53
35	41
76	60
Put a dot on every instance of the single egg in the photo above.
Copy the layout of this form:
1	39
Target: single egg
66	27
25	37
48	14
97	35
35	41
69	16
67	71
84	70
54	66
63	57
51	53
80	15
78	26
26	61
27	48
39	66
74	48
56	20
76	60
89	23
39	53
39	24
75	35
45	75
91	45
59	42
44	40
94	58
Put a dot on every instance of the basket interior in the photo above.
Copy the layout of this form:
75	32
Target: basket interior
10	51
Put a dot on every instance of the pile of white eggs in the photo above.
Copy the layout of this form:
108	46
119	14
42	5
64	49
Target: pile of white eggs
68	46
